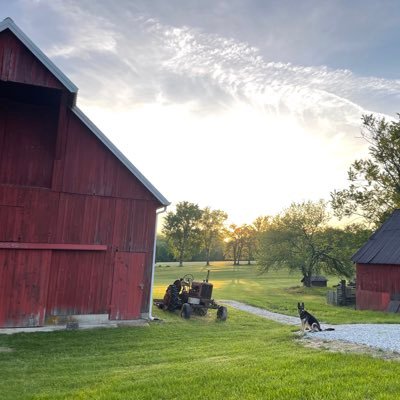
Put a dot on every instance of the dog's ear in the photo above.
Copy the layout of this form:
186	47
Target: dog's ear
298	305
302	305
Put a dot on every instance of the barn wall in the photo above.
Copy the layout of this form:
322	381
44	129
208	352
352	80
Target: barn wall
60	185
375	285
30	215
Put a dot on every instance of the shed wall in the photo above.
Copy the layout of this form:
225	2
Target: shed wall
376	283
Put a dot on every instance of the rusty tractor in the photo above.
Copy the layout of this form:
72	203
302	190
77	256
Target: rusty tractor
191	297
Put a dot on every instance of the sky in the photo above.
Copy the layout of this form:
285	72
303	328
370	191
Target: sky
239	105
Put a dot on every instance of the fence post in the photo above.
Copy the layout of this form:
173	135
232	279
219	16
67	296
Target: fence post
343	290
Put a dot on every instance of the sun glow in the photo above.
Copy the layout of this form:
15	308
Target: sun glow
263	161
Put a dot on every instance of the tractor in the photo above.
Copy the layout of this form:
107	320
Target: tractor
191	297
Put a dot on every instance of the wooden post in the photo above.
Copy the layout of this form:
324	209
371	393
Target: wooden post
343	292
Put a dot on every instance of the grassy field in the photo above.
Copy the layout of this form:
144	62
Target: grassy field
276	291
245	357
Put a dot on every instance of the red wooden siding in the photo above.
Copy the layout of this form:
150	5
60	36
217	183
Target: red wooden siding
78	283
128	285
11	220
96	171
43	216
132	231
18	64
375	285
85	219
23	287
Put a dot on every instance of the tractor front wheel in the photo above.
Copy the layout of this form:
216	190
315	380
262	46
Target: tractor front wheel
186	311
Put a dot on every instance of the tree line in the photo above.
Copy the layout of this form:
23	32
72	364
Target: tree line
300	237
190	233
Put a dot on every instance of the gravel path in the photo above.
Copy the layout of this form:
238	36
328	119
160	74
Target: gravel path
381	336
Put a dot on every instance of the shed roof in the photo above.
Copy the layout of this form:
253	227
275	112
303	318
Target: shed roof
383	247
317	278
8	23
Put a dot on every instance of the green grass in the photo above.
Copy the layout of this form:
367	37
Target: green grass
245	357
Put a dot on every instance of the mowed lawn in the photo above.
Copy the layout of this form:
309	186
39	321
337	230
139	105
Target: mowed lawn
245	357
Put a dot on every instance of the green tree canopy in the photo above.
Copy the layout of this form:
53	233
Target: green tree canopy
163	250
299	239
374	190
234	243
181	228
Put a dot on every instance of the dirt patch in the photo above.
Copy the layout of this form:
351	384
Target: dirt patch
6	350
339	346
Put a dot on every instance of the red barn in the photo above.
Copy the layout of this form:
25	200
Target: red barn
378	267
77	219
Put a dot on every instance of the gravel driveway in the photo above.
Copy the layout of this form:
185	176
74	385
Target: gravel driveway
380	336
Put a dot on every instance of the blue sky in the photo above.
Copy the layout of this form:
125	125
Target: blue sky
240	105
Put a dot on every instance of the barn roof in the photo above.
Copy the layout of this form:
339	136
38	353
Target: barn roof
383	247
8	23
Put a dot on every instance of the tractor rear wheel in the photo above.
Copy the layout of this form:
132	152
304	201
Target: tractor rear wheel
186	311
171	298
222	313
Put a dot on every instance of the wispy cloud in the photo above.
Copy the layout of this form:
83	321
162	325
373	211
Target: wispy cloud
145	60
242	72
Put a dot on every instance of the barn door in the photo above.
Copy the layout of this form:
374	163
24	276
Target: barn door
128	285
23	287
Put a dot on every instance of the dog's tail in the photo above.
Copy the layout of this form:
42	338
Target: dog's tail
329	329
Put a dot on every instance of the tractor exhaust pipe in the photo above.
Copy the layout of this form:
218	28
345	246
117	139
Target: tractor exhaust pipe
208	275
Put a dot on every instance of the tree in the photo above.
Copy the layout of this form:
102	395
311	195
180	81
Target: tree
260	225
235	242
163	250
211	229
181	228
374	190
297	239
344	242
249	238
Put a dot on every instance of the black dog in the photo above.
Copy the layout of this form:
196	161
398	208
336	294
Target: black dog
308	321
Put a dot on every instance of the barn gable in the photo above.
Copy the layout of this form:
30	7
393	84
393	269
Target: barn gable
31	67
21	61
